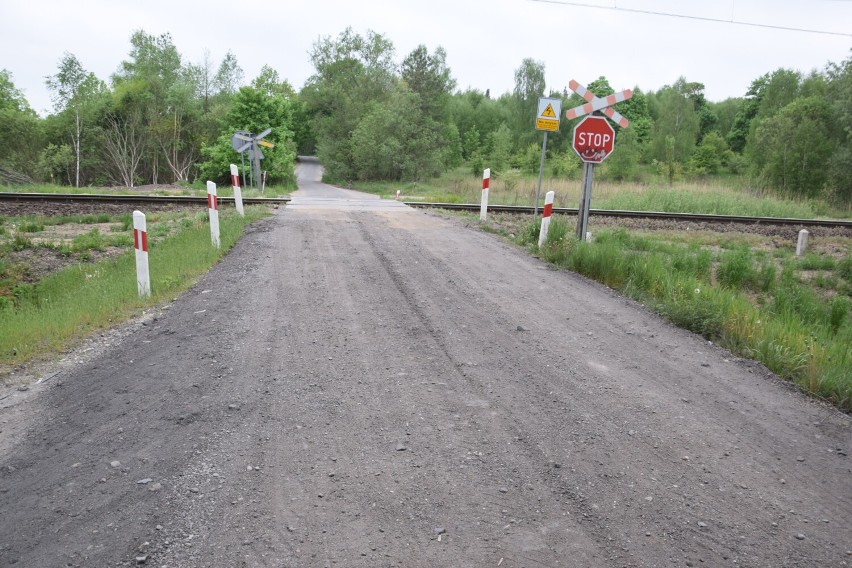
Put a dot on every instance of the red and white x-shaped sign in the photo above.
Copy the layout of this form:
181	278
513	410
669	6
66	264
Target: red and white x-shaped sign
602	104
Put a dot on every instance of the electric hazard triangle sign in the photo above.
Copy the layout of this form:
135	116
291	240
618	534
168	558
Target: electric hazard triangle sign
548	114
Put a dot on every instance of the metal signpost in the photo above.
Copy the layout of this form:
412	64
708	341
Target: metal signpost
594	140
546	119
242	141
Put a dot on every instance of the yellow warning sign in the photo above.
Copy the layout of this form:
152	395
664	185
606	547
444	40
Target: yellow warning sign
547	117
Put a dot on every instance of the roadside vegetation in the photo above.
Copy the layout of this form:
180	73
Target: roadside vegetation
373	115
44	309
748	293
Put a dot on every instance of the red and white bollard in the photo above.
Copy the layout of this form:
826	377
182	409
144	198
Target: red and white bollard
140	244
238	195
486	182
545	217
213	210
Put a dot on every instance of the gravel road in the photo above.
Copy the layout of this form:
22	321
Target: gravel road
367	385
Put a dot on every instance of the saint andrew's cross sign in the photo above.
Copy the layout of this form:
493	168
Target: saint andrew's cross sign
594	140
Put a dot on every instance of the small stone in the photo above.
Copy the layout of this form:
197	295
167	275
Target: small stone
23	388
155	487
145	481
800	536
249	468
440	531
75	465
142	559
115	463
521	328
193	489
159	527
800	459
233	407
401	447
702	525
504	490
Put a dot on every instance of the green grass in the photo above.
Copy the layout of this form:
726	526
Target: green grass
52	314
724	197
750	308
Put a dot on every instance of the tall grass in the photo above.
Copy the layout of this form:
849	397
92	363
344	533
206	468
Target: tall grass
78	300
796	333
512	188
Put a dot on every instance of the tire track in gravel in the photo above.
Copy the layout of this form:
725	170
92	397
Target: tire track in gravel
353	389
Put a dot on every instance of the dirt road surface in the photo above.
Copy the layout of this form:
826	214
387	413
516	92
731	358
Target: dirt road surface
360	384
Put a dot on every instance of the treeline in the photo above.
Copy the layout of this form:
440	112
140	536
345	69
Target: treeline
162	119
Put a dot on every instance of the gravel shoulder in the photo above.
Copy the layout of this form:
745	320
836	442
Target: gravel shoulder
389	388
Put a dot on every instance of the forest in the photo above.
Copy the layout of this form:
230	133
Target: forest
368	115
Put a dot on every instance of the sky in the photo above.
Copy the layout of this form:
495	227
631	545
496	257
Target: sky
627	41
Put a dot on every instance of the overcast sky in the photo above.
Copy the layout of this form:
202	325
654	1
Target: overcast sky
485	40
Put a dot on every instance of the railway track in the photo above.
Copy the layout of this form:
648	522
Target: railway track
519	209
692	217
130	199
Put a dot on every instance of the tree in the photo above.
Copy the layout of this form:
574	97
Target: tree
529	87
353	74
709	155
74	92
839	92
791	148
20	129
229	77
429	77
674	117
254	110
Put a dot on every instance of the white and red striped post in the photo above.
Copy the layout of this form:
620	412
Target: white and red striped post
238	195
486	183
545	217
397	195
213	210
140	244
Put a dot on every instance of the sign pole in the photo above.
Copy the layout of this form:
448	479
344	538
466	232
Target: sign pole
585	201
540	172
243	170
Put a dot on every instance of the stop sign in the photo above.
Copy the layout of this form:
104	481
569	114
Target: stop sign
594	139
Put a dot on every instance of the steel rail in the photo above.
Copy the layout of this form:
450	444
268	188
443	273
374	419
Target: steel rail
696	217
520	209
120	199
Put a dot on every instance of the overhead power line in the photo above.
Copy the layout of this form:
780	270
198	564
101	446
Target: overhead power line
687	17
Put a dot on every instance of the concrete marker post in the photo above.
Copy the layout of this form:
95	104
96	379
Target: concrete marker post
545	217
238	194
486	184
213	210
140	244
802	244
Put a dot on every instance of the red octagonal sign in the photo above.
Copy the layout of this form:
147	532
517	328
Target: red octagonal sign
594	139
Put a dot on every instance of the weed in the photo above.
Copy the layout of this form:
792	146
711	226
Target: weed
20	243
838	313
816	262
93	240
31	227
736	269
